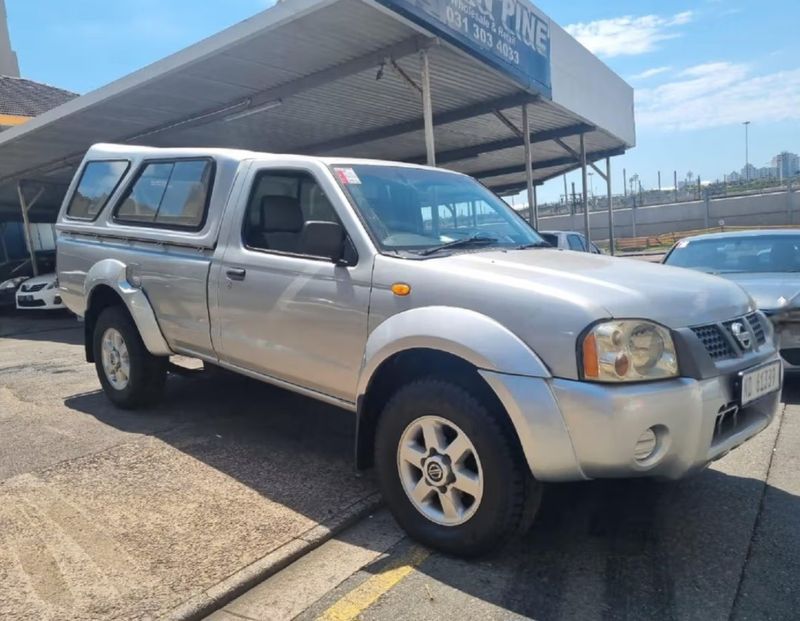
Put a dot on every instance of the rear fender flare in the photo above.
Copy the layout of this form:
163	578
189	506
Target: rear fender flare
113	273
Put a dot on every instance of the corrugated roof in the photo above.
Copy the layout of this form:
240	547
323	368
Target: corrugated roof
21	97
330	77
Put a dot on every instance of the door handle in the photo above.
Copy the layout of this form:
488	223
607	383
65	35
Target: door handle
235	274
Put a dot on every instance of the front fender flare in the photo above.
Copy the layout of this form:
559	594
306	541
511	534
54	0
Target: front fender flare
113	273
469	335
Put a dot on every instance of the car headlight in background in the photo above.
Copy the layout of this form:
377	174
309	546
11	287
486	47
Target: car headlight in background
13	283
628	351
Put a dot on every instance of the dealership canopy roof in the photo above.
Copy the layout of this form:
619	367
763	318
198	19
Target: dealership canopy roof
342	77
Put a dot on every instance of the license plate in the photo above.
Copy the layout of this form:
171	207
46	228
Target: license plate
760	382
26	298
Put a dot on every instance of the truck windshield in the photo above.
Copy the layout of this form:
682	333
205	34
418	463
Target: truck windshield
417	210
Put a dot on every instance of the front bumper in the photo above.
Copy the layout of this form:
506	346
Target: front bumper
46	299
573	430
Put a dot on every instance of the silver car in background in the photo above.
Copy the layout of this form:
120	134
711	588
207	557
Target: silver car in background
569	240
765	263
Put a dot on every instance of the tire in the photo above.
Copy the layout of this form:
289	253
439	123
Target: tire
509	495
146	373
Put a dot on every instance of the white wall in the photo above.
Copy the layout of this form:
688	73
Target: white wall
583	84
43	236
767	209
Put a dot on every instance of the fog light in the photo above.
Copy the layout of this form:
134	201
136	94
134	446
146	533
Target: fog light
646	445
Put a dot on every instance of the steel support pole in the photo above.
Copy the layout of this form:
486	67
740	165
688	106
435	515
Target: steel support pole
526	143
26	207
585	177
427	108
611	235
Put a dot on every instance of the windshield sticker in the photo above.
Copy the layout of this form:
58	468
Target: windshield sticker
683	243
347	176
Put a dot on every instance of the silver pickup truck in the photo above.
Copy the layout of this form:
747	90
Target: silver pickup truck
478	361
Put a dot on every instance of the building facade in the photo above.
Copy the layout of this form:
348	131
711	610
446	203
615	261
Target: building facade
787	165
20	101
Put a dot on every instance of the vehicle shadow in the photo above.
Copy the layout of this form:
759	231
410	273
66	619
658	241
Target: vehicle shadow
57	326
294	451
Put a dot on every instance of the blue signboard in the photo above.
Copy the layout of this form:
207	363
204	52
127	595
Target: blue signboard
510	35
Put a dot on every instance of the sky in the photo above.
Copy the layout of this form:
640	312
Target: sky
700	68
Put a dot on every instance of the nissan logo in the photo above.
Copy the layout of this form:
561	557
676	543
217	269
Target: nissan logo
435	472
741	334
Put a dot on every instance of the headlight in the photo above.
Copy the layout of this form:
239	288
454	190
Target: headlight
52	285
628	351
13	283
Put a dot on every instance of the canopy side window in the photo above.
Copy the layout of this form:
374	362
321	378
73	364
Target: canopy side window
98	182
169	194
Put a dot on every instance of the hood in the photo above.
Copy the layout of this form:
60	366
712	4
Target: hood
771	291
45	279
609	287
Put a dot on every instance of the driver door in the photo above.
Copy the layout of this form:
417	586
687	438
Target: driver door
283	313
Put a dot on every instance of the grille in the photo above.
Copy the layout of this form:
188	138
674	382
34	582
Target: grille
33	287
715	342
757	327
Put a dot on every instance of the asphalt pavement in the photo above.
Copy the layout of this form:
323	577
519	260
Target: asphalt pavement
722	545
107	514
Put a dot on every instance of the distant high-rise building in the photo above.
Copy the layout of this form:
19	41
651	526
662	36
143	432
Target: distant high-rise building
8	58
749	173
787	164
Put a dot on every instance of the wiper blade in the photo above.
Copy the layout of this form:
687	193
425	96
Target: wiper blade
475	240
535	245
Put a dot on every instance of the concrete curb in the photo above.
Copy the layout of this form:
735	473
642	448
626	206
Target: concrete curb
224	592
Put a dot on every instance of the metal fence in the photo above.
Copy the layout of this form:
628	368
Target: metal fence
686	191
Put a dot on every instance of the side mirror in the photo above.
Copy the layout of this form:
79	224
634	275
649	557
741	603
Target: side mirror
323	239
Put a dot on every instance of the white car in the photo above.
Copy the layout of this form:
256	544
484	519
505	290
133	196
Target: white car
569	240
40	292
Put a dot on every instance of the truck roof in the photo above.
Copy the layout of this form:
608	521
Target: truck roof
108	150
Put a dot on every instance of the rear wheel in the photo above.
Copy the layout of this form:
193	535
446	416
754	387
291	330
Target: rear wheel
451	470
130	375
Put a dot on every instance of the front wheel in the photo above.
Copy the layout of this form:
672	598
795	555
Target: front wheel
130	375
451	470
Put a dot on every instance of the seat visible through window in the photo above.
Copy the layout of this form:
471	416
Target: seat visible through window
281	224
281	206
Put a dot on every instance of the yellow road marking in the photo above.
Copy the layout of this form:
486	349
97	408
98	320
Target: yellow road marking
367	593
